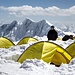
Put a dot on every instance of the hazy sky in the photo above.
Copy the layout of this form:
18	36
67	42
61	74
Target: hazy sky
51	10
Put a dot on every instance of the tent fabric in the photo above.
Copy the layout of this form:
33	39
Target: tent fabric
5	43
26	40
46	51
59	38
71	49
73	38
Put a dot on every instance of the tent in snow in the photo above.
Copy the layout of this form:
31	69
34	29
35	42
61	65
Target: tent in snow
46	51
5	43
71	49
59	38
26	40
73	38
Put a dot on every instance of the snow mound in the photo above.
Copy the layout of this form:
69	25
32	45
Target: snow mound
33	64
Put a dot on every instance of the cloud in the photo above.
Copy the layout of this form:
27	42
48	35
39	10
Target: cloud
29	10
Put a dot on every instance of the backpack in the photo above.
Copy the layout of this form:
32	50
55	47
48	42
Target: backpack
66	37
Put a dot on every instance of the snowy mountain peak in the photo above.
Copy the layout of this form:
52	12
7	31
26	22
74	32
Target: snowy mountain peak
15	31
44	21
48	23
27	20
14	22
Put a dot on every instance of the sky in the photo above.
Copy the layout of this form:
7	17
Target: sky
51	10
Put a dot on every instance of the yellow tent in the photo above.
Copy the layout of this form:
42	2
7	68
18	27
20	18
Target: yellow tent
59	38
5	43
74	38
26	40
46	51
71	49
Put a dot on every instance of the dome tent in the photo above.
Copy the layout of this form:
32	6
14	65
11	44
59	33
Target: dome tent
71	49
46	51
25	40
5	43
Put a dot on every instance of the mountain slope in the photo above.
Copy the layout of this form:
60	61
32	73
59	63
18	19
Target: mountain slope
15	31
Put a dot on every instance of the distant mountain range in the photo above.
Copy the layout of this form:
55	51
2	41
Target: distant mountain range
16	31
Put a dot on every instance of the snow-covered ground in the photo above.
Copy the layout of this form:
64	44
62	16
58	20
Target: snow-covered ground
38	30
9	66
